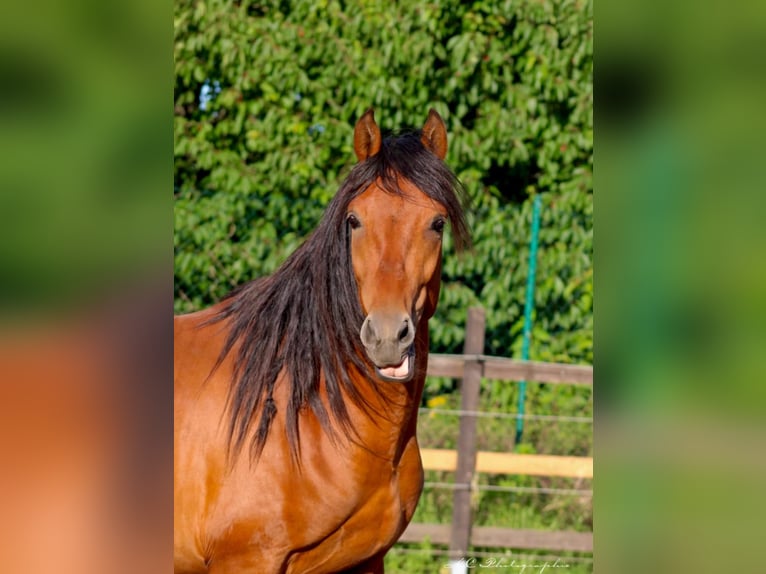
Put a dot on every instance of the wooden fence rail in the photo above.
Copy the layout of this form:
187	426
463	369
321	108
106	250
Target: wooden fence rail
504	369
471	367
525	539
512	463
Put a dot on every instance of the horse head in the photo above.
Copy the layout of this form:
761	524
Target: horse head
396	249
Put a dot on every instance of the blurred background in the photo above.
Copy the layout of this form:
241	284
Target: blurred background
681	302
266	98
85	244
85	287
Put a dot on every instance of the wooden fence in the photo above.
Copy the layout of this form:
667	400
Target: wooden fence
465	462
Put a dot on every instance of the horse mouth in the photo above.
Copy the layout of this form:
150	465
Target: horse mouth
400	373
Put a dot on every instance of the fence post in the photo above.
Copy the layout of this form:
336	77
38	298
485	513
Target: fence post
466	445
528	307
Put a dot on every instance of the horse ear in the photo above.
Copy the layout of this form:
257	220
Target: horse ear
366	136
434	134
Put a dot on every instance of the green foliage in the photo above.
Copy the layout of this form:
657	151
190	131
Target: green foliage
285	82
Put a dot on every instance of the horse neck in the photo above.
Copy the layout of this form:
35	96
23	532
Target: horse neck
392	422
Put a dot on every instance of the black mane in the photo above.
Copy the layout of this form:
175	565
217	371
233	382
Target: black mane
305	318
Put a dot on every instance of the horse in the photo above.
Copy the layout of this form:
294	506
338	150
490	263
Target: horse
296	396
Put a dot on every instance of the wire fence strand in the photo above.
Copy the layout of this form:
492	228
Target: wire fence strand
501	415
507	554
498	488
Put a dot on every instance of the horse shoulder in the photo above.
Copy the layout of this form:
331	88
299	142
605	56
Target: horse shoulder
199	443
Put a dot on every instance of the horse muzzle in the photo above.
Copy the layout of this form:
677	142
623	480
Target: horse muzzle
388	339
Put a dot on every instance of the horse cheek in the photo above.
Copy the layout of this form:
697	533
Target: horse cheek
433	287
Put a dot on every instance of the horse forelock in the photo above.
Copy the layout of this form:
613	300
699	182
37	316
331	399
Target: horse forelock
304	320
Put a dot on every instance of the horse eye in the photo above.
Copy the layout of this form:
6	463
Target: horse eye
438	225
353	221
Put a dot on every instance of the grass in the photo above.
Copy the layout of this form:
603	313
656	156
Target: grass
429	559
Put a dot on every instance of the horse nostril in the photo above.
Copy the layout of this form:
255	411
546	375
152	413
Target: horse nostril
405	330
369	336
387	334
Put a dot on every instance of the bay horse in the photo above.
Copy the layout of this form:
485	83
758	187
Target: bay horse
296	397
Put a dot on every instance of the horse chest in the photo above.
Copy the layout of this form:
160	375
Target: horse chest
386	499
375	496
373	518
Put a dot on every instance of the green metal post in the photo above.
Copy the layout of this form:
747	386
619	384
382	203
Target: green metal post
528	307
